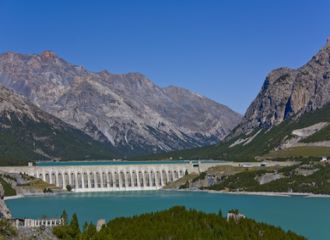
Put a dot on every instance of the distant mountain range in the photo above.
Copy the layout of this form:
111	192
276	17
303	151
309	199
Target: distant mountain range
125	115
290	117
126	112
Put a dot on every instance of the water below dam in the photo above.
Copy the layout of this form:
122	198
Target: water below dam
308	216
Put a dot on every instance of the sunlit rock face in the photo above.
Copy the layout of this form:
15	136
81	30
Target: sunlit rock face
290	92
28	133
126	110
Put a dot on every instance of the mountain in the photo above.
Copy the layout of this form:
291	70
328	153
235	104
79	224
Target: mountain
126	111
289	118
290	92
27	133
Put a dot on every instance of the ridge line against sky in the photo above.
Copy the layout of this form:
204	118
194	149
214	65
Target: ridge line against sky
220	49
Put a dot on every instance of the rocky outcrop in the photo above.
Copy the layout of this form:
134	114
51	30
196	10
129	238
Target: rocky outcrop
290	92
127	111
4	210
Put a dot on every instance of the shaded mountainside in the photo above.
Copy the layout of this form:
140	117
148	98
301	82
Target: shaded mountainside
289	118
27	133
126	110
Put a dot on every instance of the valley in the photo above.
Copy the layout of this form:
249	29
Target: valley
164	120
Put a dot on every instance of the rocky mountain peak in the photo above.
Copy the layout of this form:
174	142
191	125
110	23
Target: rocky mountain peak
138	79
104	74
47	54
290	92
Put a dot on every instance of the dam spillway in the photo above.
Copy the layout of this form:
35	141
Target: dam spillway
112	176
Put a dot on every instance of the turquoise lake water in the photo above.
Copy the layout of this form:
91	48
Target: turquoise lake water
89	163
307	216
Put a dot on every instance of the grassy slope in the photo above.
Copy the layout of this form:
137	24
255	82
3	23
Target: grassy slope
317	182
308	151
262	144
7	188
19	142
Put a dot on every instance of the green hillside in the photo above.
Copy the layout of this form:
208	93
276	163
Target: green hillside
264	142
23	140
306	177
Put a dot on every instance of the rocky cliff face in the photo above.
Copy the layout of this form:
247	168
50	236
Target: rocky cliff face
12	104
28	133
290	92
126	110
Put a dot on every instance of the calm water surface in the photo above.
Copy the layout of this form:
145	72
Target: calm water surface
307	216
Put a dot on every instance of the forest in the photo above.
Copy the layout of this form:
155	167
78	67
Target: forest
174	223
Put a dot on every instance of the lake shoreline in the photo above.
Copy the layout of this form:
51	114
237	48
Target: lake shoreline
37	195
270	194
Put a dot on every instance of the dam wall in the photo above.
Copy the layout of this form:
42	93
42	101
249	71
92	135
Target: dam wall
114	177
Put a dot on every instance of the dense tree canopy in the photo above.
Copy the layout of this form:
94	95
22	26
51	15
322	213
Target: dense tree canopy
176	223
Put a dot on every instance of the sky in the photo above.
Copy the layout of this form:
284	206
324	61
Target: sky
220	49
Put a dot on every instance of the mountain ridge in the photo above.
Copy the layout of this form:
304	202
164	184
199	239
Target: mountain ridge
128	111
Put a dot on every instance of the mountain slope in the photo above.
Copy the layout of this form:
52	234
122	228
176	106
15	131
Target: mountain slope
281	141
290	92
290	117
126	110
287	135
27	133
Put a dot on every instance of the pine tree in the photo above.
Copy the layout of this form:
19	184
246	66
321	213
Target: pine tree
64	216
74	226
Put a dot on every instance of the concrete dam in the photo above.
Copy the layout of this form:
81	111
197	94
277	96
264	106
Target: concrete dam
112	176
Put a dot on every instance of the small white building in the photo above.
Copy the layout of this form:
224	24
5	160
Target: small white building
235	216
31	223
324	160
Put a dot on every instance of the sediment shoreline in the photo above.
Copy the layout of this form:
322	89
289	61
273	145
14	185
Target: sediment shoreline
270	194
14	197
36	195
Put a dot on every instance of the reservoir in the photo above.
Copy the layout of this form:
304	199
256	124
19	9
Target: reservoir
308	216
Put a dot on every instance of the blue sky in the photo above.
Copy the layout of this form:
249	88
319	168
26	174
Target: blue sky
220	49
